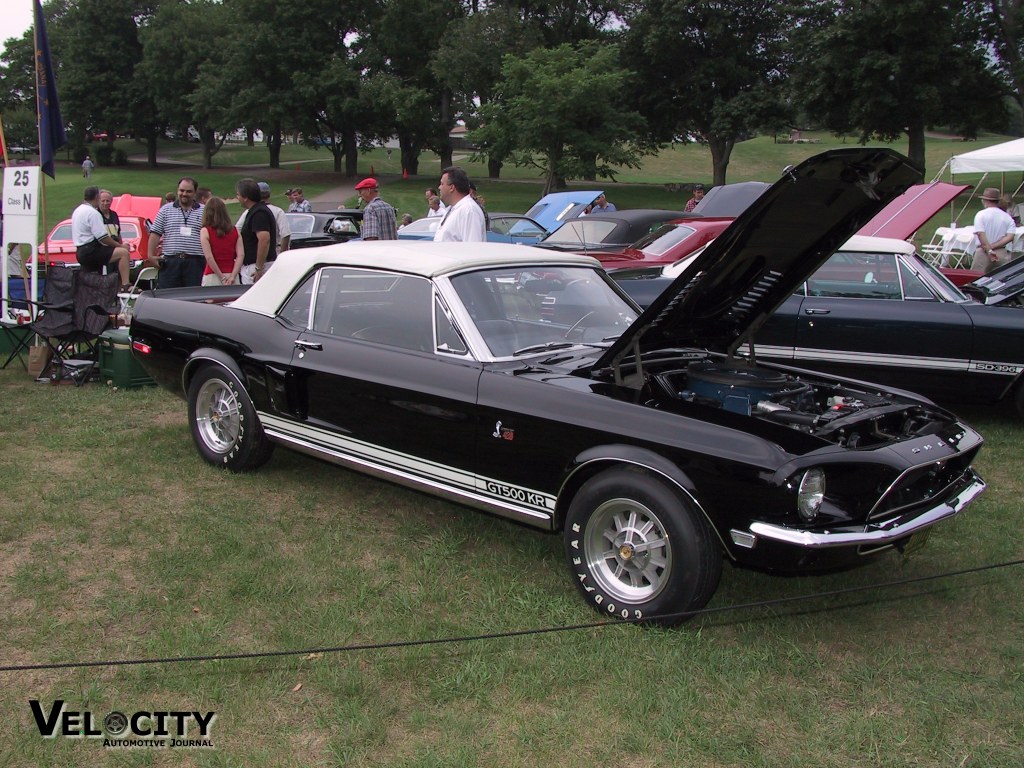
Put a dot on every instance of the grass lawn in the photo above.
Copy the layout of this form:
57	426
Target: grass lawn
118	542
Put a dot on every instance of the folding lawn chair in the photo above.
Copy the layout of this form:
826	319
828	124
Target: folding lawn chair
54	315
71	328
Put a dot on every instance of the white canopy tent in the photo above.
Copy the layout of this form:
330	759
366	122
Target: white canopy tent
1008	156
999	158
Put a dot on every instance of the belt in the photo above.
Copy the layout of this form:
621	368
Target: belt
181	256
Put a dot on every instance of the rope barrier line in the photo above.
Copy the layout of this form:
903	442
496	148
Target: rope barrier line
508	634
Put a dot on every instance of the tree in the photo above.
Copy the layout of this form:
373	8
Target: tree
858	73
1004	23
399	44
710	70
184	43
565	106
483	40
99	51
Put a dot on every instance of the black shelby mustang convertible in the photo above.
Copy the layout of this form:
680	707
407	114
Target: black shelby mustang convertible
524	383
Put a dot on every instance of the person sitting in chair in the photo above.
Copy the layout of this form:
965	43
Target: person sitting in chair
94	246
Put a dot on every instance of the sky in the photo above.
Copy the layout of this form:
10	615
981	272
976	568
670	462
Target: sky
15	19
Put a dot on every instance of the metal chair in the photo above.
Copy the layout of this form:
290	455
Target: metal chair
951	247
933	250
127	298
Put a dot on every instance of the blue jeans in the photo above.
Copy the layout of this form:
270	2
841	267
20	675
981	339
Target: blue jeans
181	273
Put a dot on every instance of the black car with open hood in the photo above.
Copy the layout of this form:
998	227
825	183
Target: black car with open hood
772	247
523	382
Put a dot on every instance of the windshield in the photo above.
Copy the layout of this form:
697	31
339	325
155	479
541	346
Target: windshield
426	225
664	237
300	223
531	309
580	231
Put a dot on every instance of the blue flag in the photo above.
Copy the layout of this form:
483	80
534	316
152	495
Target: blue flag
52	135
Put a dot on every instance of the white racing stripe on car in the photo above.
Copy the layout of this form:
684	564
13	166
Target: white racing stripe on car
889	361
428	470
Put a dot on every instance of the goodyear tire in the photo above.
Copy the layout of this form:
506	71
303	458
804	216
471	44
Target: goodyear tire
223	422
638	550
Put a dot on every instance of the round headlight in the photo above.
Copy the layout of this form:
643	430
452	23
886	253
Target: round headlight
811	494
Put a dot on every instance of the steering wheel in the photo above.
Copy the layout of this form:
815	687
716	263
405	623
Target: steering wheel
577	324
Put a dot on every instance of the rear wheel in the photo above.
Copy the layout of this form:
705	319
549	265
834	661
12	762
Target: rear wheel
223	422
638	550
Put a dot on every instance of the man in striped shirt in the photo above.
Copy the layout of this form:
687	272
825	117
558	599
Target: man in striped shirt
177	227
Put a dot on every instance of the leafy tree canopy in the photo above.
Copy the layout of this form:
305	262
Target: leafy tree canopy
710	71
563	105
858	74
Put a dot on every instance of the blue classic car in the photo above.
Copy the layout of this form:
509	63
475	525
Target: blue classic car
522	382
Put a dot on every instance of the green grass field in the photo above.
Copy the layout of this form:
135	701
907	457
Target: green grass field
117	542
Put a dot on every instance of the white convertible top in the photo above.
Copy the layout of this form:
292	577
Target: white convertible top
425	259
869	244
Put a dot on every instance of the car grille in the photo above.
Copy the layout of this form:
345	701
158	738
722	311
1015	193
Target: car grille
922	485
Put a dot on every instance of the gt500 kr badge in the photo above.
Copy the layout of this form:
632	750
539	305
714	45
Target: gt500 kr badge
532	498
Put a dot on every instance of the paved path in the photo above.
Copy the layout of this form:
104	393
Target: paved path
333	198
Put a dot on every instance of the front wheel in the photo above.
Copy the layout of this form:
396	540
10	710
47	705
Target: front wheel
223	422
638	550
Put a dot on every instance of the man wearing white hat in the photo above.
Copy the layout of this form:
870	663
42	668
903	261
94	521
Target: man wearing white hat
994	229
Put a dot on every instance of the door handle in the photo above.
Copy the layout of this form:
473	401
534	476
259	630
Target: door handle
816	311
302	344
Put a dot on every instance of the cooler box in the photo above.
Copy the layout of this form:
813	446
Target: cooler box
118	366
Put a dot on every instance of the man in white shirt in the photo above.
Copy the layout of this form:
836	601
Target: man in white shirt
994	229
434	205
94	246
464	219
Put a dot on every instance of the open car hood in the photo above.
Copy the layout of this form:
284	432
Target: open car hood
910	211
729	290
134	205
553	209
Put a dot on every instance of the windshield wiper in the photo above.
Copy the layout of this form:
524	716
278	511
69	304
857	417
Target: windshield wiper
546	347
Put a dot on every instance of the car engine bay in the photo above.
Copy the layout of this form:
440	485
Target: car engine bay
854	418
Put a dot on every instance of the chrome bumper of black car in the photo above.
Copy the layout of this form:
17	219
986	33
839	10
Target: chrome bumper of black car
871	535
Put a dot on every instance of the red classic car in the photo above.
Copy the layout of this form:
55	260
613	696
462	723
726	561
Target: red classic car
665	245
135	214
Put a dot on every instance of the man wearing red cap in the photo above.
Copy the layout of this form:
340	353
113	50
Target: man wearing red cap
378	217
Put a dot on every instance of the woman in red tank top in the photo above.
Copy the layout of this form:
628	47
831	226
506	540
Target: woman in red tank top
221	245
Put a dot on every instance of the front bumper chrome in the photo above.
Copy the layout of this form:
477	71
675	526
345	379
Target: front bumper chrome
871	534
